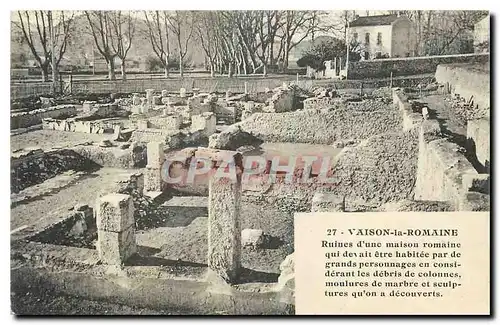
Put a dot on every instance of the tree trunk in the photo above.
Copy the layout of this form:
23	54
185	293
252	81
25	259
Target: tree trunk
285	61
181	66
212	70
111	69
45	73
167	73
265	69
123	70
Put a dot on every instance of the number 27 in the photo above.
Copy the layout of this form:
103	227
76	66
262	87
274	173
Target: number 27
331	232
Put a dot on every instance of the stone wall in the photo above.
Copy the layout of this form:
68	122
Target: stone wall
283	100
356	120
25	119
170	123
408	66
32	167
132	157
74	125
411	119
444	173
478	136
320	103
153	135
467	80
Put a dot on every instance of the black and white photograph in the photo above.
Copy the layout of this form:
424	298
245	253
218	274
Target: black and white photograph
158	157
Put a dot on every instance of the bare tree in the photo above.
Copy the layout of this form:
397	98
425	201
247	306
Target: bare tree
100	27
158	34
294	22
35	27
206	34
123	30
182	26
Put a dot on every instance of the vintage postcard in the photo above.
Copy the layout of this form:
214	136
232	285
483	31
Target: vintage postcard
251	162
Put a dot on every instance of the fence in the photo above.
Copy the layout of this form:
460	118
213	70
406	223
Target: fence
409	66
218	84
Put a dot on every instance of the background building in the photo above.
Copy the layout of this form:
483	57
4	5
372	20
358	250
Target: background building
382	36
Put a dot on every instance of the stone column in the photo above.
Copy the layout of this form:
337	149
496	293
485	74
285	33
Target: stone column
153	181
144	105
136	100
149	97
115	228
224	228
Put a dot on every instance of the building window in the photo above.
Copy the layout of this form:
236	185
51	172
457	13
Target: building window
379	39
367	38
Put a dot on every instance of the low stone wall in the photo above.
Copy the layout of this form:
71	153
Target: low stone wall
32	167
26	119
444	173
411	120
478	136
408	66
153	135
320	103
356	120
74	125
283	100
467	81
132	157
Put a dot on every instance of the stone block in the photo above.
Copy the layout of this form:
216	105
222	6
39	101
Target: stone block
142	124
116	247
88	106
137	180
474	201
476	182
156	154
327	202
252	238
156	100
165	101
153	181
115	212
224	228
206	122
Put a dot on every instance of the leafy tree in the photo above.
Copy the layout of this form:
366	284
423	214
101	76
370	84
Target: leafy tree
321	52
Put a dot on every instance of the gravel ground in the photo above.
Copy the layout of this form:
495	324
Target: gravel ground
46	139
189	226
380	169
84	191
31	302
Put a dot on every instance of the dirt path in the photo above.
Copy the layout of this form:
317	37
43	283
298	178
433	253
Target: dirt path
84	191
46	139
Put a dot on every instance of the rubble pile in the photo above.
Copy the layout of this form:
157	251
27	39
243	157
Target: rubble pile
382	168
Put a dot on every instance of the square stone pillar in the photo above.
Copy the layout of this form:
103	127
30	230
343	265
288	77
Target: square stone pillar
144	105
115	228
224	227
149	97
153	181
136	100
182	92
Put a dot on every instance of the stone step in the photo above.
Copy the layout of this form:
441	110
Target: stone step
187	201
